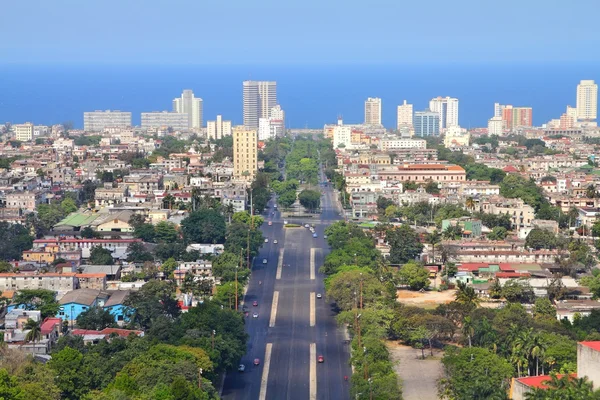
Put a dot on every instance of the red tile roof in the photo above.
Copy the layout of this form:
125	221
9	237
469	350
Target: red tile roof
512	275
539	381
592	345
49	324
471	266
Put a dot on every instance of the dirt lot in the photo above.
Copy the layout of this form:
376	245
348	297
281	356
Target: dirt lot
425	299
419	377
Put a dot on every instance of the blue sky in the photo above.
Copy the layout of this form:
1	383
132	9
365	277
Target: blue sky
298	31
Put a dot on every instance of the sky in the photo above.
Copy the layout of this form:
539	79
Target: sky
298	31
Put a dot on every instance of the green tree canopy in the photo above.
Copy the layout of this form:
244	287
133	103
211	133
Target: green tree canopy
204	226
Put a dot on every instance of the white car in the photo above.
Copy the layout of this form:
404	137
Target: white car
241	368
264	260
307	226
319	295
255	315
266	240
285	221
275	241
270	223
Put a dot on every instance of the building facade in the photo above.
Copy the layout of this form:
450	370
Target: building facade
447	108
23	132
404	115
96	121
495	126
192	106
218	128
513	117
259	97
245	153
587	100
426	123
158	119
373	111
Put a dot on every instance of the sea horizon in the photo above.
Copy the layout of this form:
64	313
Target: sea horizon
310	94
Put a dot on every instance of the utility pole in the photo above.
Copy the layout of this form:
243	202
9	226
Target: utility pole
361	291
199	378
213	338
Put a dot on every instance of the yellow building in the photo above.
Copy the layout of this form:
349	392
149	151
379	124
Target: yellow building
245	153
39	256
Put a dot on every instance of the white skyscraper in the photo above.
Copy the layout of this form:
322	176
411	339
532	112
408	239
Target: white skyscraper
587	100
405	115
218	128
190	105
495	126
373	111
447	108
259	98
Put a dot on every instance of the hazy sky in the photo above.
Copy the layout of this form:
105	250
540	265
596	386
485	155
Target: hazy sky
292	31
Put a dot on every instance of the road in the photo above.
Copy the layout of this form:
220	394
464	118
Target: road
294	327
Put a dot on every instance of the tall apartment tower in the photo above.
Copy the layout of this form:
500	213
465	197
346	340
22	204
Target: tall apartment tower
373	111
405	115
426	123
447	108
514	117
587	100
259	98
245	153
190	105
218	128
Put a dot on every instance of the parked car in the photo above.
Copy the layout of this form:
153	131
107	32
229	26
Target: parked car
257	361
320	359
241	368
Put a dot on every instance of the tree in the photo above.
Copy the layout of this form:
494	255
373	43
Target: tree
453	232
344	288
66	365
224	266
136	252
14	239
165	232
95	318
238	235
154	299
245	218
204	226
145	232
515	290
68	206
433	239
383	203
88	233
287	198
404	243
414	275
310	199
474	373
100	256
37	299
169	267
35	332
470	203
432	187
497	233
5	267
540	239
466	295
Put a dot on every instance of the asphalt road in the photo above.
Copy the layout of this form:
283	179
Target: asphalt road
290	333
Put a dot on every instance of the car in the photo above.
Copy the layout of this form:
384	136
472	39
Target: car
270	223
264	260
307	226
285	221
241	368
324	236
255	315
255	303
257	361
315	235
319	295
275	241
320	359
267	240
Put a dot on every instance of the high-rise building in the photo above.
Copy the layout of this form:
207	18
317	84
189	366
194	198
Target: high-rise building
23	132
259	98
245	153
269	128
218	128
405	115
426	123
495	126
515	117
192	106
447	108
342	136
373	111
95	121
587	100
158	119
572	112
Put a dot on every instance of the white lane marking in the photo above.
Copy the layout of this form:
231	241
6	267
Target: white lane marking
265	375
274	309
312	309
279	264
312	391
312	263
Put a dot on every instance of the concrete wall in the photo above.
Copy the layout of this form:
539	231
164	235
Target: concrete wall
518	390
588	364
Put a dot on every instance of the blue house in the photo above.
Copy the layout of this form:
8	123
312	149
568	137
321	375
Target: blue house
75	302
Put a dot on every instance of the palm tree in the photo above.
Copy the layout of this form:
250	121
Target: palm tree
468	329
229	210
168	200
523	345
538	348
433	239
470	203
35	331
466	295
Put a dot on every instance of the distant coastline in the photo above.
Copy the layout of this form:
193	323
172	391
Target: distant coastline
311	95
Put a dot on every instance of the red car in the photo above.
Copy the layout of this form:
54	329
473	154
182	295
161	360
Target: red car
255	303
256	361
320	359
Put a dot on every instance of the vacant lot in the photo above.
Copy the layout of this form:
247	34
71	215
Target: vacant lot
425	299
419	377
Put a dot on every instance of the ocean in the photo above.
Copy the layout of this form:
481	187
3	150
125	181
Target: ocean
311	95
